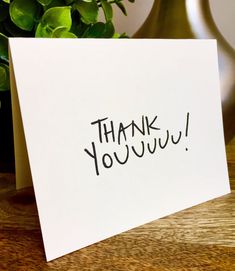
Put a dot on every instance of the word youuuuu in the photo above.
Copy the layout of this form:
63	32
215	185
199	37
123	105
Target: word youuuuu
109	132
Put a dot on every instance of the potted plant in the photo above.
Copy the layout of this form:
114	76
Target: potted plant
45	19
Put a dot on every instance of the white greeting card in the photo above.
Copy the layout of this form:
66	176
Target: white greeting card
118	133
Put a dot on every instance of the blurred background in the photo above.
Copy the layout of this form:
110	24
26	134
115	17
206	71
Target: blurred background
223	13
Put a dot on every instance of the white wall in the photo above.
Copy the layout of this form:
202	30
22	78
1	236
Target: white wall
223	12
224	15
137	14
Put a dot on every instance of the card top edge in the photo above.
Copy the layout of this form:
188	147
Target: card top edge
110	40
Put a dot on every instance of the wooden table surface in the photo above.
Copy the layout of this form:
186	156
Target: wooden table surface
199	238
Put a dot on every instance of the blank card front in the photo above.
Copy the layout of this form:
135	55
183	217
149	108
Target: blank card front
118	132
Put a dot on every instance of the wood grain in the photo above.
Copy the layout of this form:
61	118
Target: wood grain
199	238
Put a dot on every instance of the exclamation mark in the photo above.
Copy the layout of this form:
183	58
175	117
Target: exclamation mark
186	129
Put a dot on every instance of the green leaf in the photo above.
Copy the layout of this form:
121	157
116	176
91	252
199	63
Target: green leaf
12	30
43	31
95	31
3	47
88	10
4	75
54	3
61	32
4	11
78	27
122	7
68	2
109	30
124	36
6	1
108	10
57	16
24	13
100	30
116	36
53	18
67	35
44	2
